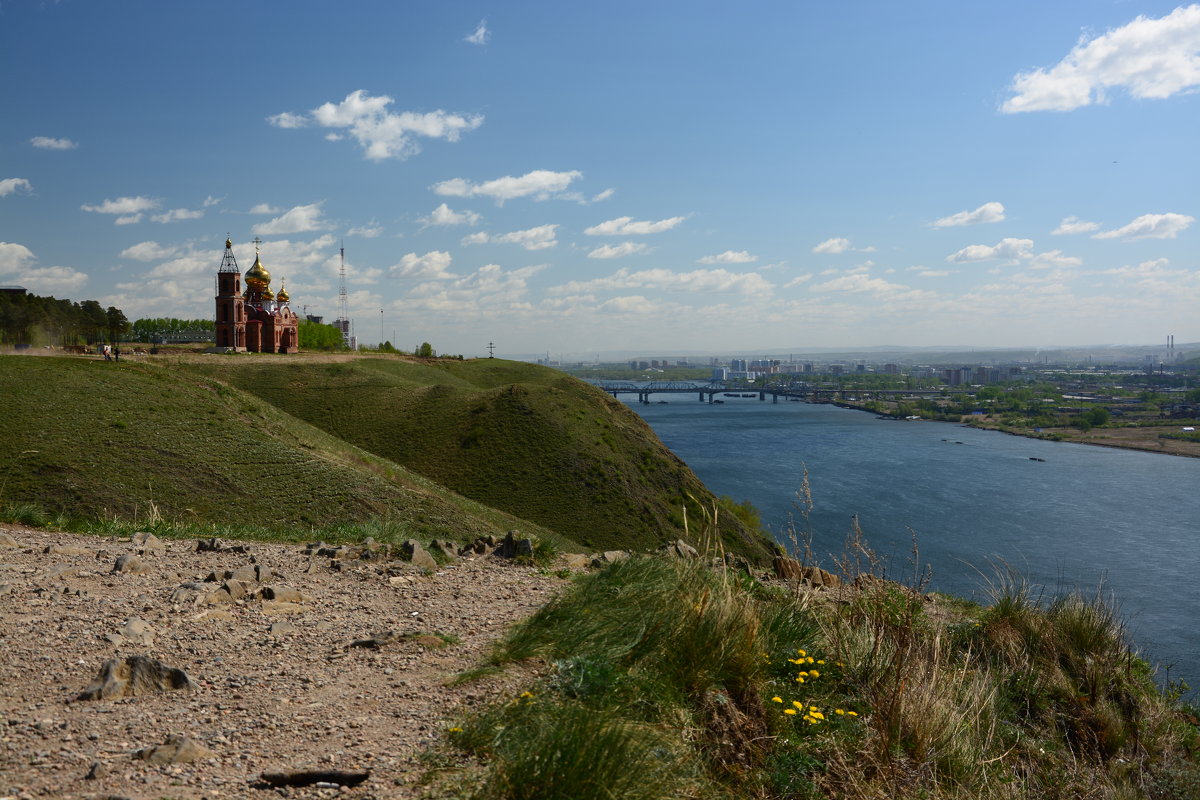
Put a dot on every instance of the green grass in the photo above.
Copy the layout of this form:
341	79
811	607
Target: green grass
521	438
669	679
137	444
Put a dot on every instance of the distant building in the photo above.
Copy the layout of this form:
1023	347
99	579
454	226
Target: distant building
12	290
255	320
891	369
720	374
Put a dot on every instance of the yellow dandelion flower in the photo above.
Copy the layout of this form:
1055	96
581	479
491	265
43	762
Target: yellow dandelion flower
840	664
814	673
776	699
802	653
810	659
812	708
455	730
526	694
820	661
810	720
799	679
840	712
802	674
789	711
798	704
795	661
818	715
852	713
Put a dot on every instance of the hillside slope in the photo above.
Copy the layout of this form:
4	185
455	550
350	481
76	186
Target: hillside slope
525	439
138	440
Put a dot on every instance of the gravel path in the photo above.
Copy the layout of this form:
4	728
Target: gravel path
267	699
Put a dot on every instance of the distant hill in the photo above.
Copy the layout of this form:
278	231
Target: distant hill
437	448
522	438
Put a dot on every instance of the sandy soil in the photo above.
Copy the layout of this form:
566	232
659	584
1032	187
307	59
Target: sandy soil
266	699
1140	438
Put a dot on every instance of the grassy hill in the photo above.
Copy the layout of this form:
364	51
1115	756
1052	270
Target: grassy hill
139	441
518	437
305	444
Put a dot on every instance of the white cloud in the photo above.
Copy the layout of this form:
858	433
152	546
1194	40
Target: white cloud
381	133
444	216
434	265
1150	226
798	280
1005	248
632	304
131	209
369	231
148	251
475	238
176	214
728	257
602	196
832	246
933	273
17	265
1150	58
700	280
212	201
490	291
626	226
1054	258
50	143
1071	225
14	257
541	184
618	250
988	212
299	219
538	238
265	208
480	35
11	185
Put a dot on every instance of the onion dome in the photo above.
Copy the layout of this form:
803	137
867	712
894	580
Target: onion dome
229	244
257	276
283	293
267	294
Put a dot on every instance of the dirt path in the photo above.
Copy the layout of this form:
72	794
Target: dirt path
267	699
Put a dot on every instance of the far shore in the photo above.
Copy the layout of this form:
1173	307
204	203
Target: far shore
1143	438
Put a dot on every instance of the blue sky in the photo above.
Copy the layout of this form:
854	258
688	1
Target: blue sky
626	176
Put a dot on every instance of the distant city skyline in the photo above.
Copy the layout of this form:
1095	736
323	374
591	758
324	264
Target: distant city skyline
627	178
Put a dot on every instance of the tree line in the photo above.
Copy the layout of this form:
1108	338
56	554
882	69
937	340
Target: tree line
30	320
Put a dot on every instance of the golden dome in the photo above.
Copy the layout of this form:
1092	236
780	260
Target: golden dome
267	294
228	244
283	293
257	276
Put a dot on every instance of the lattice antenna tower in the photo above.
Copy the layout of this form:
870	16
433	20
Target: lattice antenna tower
343	321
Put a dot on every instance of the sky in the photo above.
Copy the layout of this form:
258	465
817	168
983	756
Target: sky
622	177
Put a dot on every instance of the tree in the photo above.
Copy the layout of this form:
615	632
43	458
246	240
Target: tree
425	350
118	325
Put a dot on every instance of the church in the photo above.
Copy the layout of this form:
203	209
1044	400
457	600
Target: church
255	320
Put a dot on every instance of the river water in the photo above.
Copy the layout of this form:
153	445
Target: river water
1085	517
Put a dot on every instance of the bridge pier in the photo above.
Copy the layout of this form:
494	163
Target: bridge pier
775	398
701	397
762	396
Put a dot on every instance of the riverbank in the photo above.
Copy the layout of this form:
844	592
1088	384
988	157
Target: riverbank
1144	438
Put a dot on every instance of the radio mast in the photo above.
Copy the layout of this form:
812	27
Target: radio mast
343	320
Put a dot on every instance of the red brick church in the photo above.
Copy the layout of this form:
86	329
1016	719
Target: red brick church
255	320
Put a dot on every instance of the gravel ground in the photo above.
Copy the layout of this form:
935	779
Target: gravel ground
293	697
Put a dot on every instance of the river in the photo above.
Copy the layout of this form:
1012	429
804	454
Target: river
1084	517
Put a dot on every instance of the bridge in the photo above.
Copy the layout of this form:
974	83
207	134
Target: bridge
797	390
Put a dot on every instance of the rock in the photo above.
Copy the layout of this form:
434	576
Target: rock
574	560
176	750
66	550
215	545
95	771
513	547
6	540
308	777
136	675
609	557
130	564
282	628
283	594
679	549
187	593
443	550
792	570
5	588
381	639
138	631
149	544
412	552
